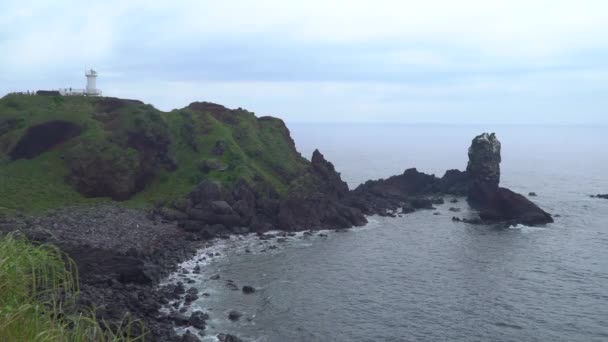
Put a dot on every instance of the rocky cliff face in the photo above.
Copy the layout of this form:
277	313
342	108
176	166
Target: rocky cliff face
483	167
484	159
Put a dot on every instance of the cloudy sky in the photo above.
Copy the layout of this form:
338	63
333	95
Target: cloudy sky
465	61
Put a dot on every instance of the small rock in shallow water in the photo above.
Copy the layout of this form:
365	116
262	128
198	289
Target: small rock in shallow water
215	277
436	213
190	297
454	209
437	200
248	289
234	315
232	286
178	319
228	338
179	289
189	337
532	194
198	319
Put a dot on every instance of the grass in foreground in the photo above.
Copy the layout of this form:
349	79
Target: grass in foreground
38	285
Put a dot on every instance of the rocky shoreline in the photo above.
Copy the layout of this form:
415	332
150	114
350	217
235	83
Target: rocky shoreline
122	254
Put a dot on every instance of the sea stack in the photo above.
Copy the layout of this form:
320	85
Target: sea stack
496	204
484	166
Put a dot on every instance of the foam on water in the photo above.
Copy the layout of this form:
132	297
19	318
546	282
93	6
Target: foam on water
526	229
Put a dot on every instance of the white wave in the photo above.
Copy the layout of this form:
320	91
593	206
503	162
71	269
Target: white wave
526	229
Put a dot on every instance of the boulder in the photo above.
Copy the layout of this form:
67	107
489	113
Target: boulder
221	207
209	165
228	338
507	206
206	191
198	319
193	226
422	203
248	289
234	315
178	319
189	337
172	214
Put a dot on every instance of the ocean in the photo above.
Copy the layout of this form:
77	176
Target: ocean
422	277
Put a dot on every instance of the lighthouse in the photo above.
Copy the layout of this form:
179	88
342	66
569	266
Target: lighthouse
91	83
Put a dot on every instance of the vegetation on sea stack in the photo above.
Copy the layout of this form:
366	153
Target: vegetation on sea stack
57	151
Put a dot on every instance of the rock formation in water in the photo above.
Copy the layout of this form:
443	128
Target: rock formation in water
480	183
604	196
497	204
484	166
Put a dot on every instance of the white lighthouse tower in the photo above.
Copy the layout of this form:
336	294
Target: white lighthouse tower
92	83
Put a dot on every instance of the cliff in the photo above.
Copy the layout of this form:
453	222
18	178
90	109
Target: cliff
57	151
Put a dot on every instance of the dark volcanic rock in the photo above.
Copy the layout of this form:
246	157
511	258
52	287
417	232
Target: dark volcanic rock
317	200
497	204
234	315
412	189
43	137
198	319
422	203
228	338
508	206
484	160
189	337
604	196
532	194
333	183
248	289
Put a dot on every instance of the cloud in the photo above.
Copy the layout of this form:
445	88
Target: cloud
317	60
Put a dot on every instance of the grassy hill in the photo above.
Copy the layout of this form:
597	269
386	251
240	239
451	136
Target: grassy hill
57	151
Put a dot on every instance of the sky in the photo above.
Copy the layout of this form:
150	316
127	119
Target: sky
452	62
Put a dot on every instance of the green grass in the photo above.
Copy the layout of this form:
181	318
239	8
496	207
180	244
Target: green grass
38	286
37	184
256	150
